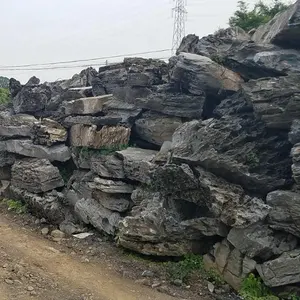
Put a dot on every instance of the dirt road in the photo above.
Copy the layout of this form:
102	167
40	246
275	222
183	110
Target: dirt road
32	267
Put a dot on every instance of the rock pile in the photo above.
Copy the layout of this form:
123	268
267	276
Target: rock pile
199	155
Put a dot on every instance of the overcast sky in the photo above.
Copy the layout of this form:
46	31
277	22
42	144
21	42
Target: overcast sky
39	31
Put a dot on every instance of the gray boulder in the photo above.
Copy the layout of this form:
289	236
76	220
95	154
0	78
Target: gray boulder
108	166
27	148
86	106
49	205
16	125
155	128
137	163
91	120
284	270
295	153
275	100
114	202
232	147
36	175
294	134
111	186
195	74
168	100
259	241
92	212
31	99
282	30
285	209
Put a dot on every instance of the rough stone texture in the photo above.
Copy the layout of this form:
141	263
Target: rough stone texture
27	148
31	99
92	212
259	241
91	120
285	210
283	29
16	125
5	173
295	153
48	132
6	159
237	149
36	175
275	100
137	163
49	205
195	74
231	264
232	47
294	134
86	106
108	166
114	202
171	101
111	186
283	270
89	136
156	128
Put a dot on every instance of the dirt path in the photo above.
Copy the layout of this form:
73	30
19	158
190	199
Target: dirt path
32	268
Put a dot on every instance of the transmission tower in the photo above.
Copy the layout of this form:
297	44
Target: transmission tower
179	12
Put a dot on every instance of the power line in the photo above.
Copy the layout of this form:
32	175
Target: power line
66	67
179	24
83	60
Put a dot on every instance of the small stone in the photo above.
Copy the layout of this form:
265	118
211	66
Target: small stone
30	288
5	266
37	222
148	273
210	287
57	234
177	282
9	281
45	231
33	293
43	221
143	281
155	285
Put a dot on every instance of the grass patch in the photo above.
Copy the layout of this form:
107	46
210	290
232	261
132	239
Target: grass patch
252	159
4	96
16	206
191	263
253	288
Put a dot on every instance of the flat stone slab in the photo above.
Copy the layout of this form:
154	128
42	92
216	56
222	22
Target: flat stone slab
86	106
27	148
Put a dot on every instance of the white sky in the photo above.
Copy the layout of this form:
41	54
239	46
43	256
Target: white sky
40	31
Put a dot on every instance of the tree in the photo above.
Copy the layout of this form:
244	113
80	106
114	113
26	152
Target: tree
4	82
4	96
261	13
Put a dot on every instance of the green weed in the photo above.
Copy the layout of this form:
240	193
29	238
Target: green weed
86	152
191	263
252	159
16	206
253	288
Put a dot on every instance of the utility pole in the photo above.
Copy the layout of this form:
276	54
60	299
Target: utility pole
179	24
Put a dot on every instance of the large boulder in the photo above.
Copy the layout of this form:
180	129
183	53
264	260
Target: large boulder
111	186
27	148
31	99
275	100
137	163
260	242
86	106
295	153
89	136
195	74
16	125
90	211
108	166
285	209
230	263
36	175
282	30
156	128
48	132
236	148
284	270
168	100
49	205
